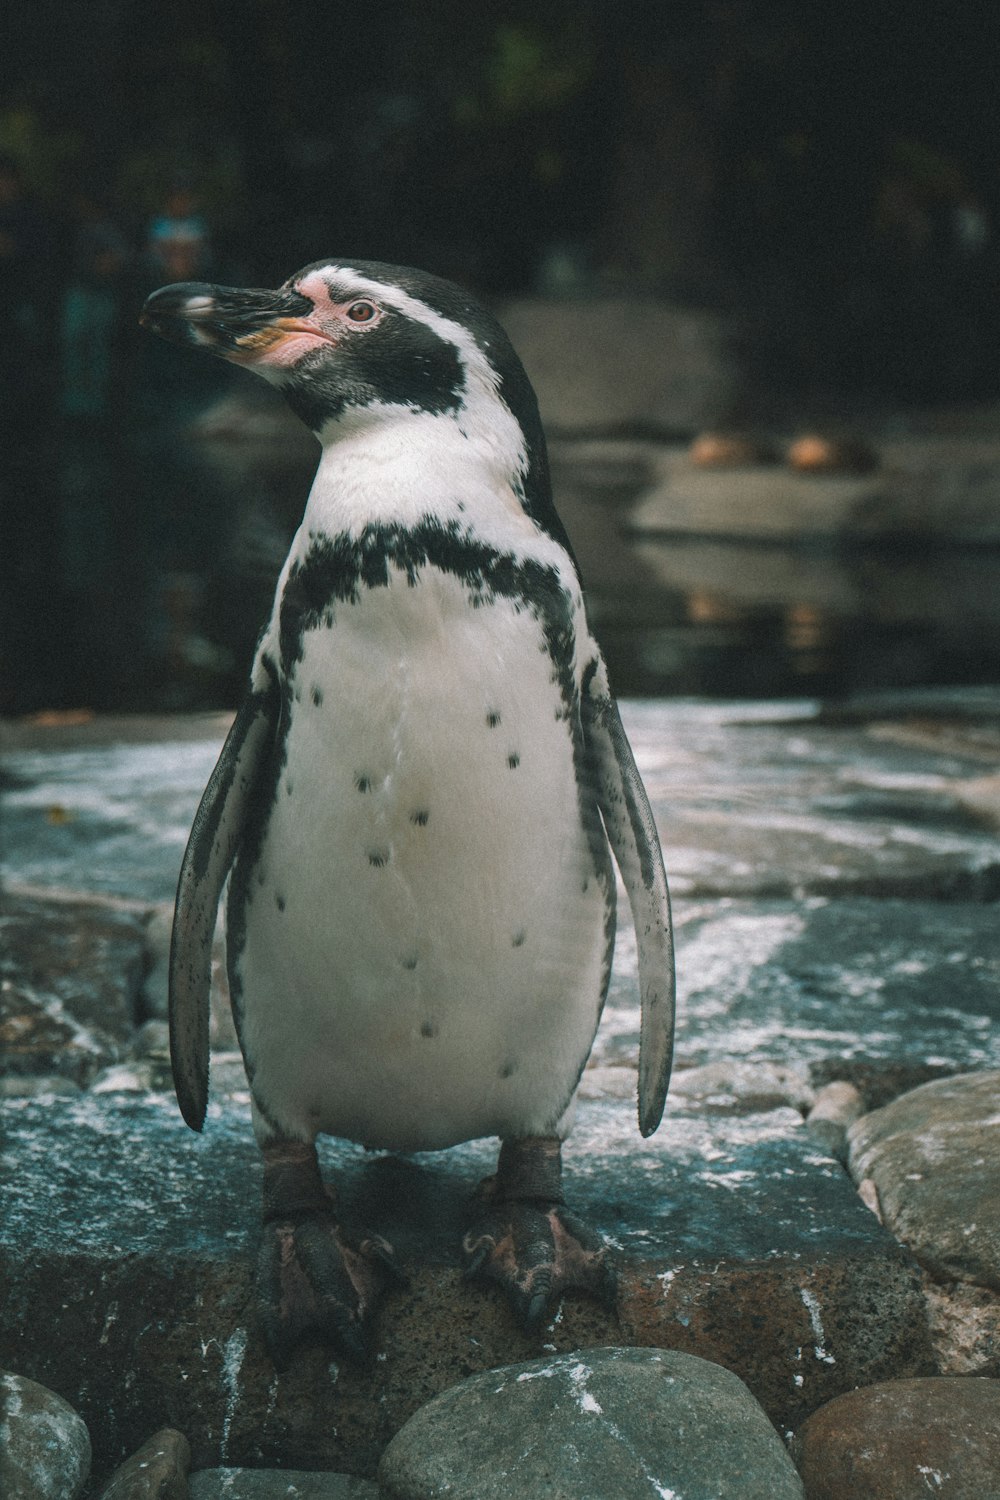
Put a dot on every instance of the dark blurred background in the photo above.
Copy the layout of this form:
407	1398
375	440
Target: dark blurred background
799	203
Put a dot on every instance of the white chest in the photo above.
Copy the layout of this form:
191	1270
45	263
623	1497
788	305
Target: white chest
425	936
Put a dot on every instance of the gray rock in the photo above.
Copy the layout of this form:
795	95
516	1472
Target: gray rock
127	1250
964	1323
35	1085
762	503
836	1106
595	1424
903	1440
70	974
746	1086
139	1075
865	988
152	1039
158	1471
636	363
768	800
755	799
279	1484
44	1444
155	1001
931	1155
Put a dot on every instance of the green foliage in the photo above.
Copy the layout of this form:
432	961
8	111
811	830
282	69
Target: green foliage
46	154
528	70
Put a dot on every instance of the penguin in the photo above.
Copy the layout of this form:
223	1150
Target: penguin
416	804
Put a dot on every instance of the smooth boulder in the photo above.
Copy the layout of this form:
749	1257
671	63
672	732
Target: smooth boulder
44	1444
595	1424
931	1155
904	1440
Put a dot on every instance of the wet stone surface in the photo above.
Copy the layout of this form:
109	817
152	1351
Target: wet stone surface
835	902
129	1243
70	980
751	800
901	982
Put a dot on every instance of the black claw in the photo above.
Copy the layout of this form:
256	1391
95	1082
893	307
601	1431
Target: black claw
535	1251
347	1336
315	1284
476	1261
377	1249
535	1311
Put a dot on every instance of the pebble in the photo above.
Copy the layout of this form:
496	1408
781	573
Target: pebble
616	1423
733	1084
837	1105
278	1484
158	1471
44	1444
931	1155
904	1440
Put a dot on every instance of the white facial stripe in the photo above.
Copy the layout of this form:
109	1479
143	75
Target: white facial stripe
480	403
315	287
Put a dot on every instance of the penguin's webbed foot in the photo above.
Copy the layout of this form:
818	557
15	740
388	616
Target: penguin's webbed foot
316	1283
524	1240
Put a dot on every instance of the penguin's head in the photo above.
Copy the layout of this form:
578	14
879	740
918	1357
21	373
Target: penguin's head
363	342
342	338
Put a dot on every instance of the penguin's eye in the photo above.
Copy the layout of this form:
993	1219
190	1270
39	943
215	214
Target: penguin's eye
362	312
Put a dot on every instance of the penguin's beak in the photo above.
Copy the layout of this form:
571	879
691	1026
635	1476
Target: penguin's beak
243	325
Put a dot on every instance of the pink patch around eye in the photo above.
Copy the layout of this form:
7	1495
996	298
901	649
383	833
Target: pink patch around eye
314	287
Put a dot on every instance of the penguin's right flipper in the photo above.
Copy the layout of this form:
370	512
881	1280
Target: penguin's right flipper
631	829
215	837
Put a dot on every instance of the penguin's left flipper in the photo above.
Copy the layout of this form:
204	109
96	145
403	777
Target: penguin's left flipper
631	829
215	838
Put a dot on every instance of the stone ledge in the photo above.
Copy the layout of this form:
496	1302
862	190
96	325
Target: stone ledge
127	1253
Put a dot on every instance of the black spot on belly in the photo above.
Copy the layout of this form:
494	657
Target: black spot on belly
513	760
411	962
493	719
378	857
420	818
279	902
288	787
317	696
429	1028
508	1070
363	783
517	941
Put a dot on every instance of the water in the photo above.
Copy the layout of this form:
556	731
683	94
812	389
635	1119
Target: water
148	553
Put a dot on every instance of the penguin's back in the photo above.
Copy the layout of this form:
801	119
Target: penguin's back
420	926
